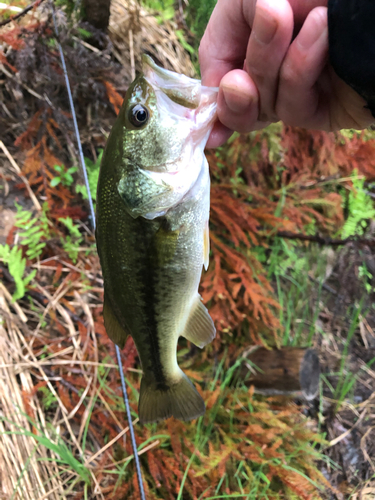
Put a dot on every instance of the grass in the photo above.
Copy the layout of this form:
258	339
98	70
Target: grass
347	379
298	277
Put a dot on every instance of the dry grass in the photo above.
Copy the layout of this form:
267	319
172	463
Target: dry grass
134	30
28	469
22	473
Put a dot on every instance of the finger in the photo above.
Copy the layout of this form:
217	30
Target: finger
238	101
301	99
302	8
223	46
268	44
218	136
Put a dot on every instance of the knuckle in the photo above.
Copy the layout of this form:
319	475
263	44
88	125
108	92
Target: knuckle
289	75
257	74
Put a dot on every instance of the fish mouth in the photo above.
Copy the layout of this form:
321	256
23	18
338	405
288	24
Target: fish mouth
179	88
188	92
199	102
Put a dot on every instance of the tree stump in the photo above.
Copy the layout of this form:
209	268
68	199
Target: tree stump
287	371
96	12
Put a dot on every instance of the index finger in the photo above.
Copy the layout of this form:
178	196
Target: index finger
224	43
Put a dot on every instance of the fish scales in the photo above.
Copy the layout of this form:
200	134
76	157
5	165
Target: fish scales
152	242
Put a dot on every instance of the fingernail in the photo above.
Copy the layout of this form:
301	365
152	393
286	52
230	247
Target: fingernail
237	100
307	38
265	26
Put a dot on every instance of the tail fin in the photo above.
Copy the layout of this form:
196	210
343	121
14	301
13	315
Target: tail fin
180	400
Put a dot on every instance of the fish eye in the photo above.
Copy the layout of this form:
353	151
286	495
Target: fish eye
138	115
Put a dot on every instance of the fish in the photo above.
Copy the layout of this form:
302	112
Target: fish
152	234
351	37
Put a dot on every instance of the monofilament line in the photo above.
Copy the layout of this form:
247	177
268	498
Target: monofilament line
75	124
131	428
92	216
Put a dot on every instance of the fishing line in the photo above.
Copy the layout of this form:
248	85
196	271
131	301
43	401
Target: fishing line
75	124
93	222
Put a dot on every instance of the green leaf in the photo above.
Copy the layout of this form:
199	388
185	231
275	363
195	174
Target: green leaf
28	278
84	33
80	189
183	42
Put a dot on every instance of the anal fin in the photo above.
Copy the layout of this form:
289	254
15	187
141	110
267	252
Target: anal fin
200	328
115	331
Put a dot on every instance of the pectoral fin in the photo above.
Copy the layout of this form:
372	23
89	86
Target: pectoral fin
200	328
115	331
206	246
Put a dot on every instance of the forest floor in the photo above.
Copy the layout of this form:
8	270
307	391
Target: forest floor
63	430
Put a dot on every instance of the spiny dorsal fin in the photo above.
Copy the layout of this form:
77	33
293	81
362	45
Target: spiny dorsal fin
115	331
200	328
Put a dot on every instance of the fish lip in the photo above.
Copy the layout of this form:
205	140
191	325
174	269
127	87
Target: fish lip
183	90
165	74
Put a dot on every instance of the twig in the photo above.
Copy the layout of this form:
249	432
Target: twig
181	9
14	304
67	362
141	452
20	82
108	445
90	47
347	432
12	8
22	13
325	286
321	240
131	52
21	176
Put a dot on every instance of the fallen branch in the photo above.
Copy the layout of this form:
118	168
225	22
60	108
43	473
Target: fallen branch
322	240
22	13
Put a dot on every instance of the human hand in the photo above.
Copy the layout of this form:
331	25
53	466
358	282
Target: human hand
265	75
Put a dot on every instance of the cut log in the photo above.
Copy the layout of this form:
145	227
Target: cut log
290	371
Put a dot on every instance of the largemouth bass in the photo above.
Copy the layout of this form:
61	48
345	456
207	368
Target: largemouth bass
152	232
